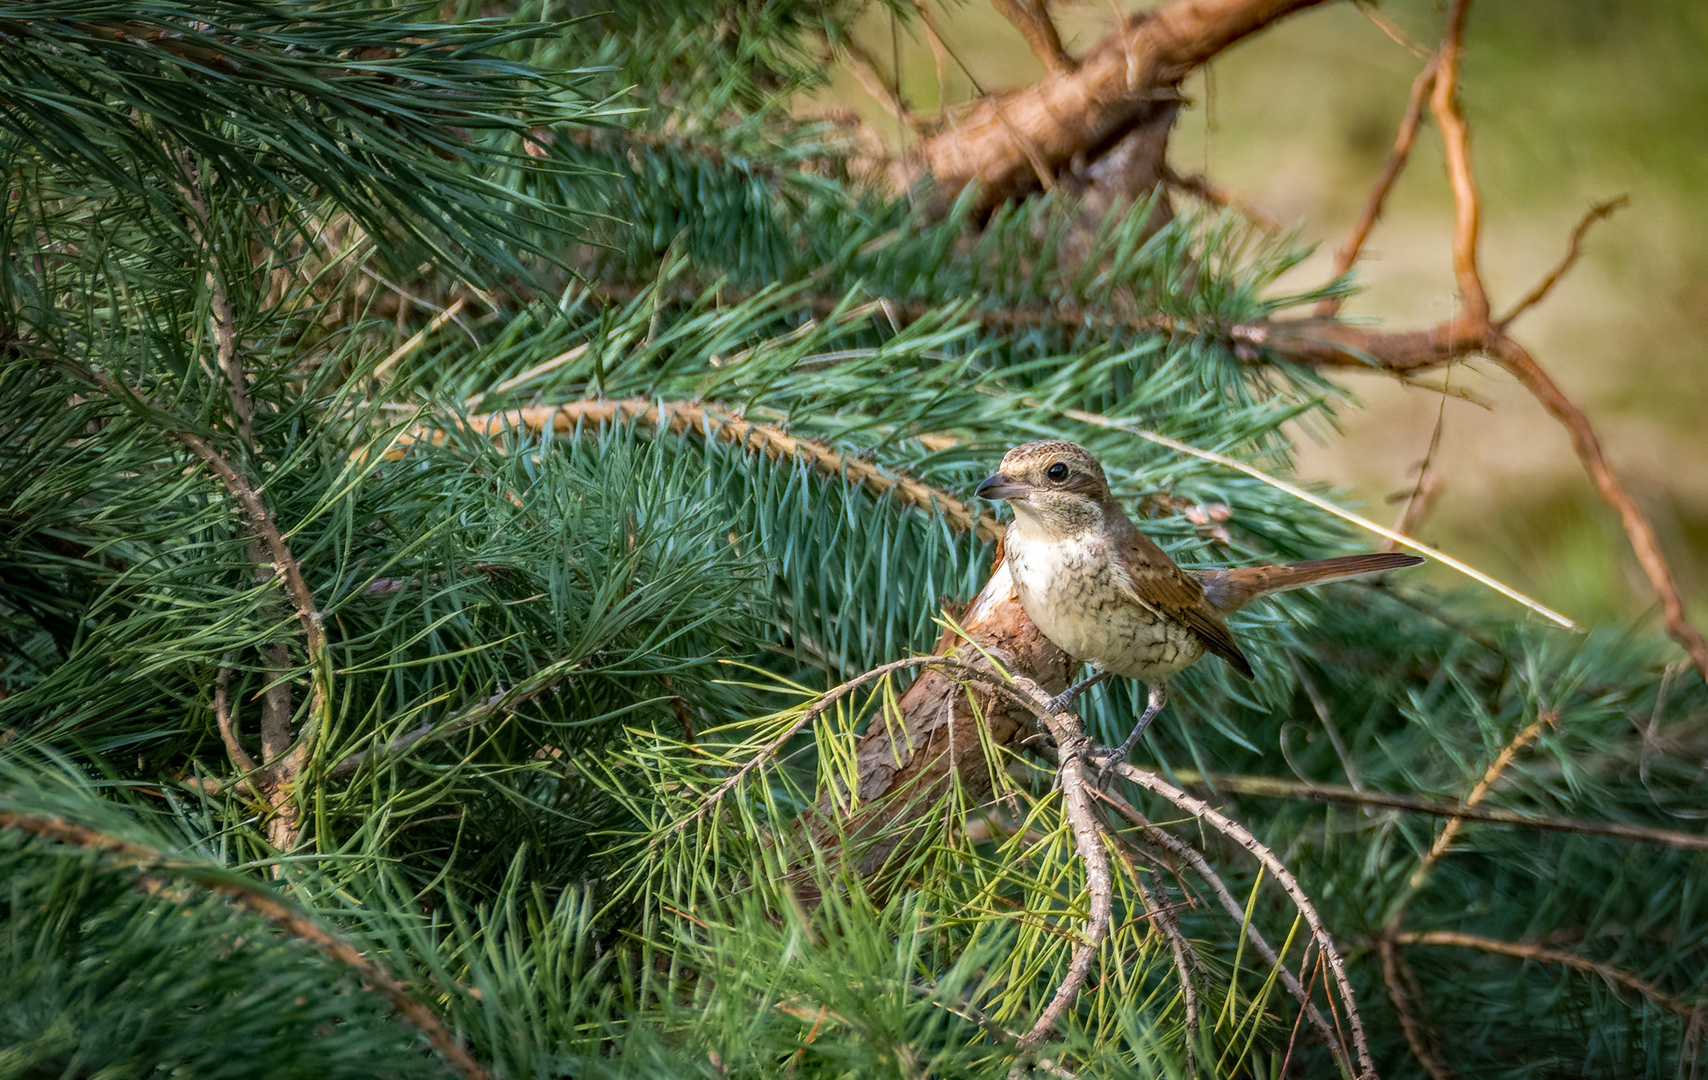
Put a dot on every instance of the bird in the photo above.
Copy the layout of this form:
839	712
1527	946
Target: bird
1106	594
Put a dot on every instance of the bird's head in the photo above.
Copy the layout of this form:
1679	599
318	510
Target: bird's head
1055	484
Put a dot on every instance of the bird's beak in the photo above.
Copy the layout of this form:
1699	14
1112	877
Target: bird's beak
1001	486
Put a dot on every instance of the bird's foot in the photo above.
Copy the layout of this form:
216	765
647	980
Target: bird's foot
1064	700
1112	756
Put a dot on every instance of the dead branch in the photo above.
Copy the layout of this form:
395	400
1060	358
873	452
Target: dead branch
1076	779
1471	331
1401	987
1520	950
1574	247
1498	766
1077	112
885	89
1242	836
1186	853
1032	19
1403	141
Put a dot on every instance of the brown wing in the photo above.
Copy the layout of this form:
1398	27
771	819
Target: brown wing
1178	596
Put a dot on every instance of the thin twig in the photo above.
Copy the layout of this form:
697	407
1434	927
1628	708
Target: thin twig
1032	19
383	368
1410	1024
1403	141
1076	784
225	718
1498	766
1574	248
222	318
1272	787
1189	855
150	864
886	91
1242	836
1161	917
1617	976
1644	543
1206	190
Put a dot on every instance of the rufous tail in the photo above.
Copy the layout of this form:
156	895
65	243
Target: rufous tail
1230	590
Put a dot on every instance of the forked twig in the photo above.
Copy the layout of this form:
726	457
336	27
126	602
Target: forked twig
1242	836
1189	855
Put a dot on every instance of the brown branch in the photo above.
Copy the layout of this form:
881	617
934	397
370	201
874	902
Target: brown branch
150	864
1161	917
1396	977
1456	142
707	421
1242	836
1403	142
1574	248
1076	784
1032	19
222	319
1208	191
1272	787
1470	331
1522	951
884	89
1189	855
1644	543
278	777
1070	113
226	719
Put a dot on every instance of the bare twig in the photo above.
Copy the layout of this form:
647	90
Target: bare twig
153	866
222	318
1189	855
1574	248
1206	190
226	719
1524	738
1644	543
1032	19
884	89
383	368
1616	976
1242	836
1076	784
1273	787
1399	985
1403	141
1161	917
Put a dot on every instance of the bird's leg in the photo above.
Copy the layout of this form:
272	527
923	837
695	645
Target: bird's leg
1061	701
1158	697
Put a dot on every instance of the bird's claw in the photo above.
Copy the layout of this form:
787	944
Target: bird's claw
1111	756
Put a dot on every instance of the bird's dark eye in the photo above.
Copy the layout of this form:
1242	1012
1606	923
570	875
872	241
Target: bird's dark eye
1057	472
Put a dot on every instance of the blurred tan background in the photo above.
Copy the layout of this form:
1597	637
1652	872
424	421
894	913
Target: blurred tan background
1571	102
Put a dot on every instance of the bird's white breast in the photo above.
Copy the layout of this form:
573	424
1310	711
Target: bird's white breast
1078	592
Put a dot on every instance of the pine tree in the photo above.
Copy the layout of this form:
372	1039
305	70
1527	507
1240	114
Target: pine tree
479	495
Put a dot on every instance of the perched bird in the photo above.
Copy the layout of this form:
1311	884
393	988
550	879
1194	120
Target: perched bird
1105	593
